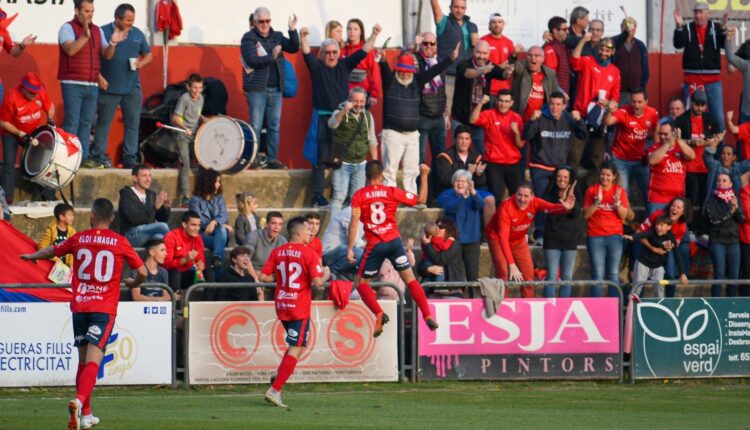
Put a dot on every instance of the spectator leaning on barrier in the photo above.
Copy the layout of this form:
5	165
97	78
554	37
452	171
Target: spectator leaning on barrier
262	241
473	79
59	230
20	115
330	85
724	216
208	202
156	274
82	47
702	41
185	257
556	53
367	73
144	214
261	49
120	85
353	130
668	172
401	99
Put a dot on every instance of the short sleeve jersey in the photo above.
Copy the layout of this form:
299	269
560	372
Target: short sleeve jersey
378	205
632	132
294	265
604	221
98	256
25	114
667	176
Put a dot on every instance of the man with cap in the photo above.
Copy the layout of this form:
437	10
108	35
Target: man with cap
7	44
401	98
120	85
502	50
699	129
702	41
20	115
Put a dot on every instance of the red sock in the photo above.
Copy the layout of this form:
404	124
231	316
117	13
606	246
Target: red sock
286	368
87	381
417	293
87	403
368	296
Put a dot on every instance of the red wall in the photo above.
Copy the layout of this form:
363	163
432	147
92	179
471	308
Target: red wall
223	62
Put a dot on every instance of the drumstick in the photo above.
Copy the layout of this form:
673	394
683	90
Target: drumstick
169	127
34	142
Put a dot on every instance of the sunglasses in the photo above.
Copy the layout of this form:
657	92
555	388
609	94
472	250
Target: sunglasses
334	52
263	21
429	43
566	29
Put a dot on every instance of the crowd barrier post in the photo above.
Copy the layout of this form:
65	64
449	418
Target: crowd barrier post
665	282
517	285
186	316
123	287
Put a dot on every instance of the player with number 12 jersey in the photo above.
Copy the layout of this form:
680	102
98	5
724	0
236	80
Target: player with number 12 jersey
376	205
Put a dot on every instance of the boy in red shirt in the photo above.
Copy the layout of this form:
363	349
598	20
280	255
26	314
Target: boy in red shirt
98	256
296	269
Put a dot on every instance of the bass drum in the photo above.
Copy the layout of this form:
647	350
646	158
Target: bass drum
225	144
54	161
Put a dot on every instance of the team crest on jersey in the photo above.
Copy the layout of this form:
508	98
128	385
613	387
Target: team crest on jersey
529	215
610	78
317	266
38	103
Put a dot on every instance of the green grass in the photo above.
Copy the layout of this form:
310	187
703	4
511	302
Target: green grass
450	405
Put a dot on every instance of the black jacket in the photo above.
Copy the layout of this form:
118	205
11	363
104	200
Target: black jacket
710	126
706	62
133	213
262	66
551	139
450	260
448	162
562	231
723	225
248	293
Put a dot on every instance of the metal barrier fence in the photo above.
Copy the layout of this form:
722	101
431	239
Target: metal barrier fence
214	285
124	288
686	340
515	284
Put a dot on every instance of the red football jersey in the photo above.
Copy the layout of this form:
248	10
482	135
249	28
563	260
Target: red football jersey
499	140
743	140
25	114
294	265
501	49
667	176
98	255
378	205
591	78
696	165
632	132
604	221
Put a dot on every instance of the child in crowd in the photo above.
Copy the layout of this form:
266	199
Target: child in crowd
247	220
188	116
60	229
657	242
440	243
241	271
157	253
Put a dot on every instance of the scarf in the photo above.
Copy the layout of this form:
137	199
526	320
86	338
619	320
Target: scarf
479	84
725	194
432	87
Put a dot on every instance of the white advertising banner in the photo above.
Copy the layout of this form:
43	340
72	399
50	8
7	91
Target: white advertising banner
36	345
233	343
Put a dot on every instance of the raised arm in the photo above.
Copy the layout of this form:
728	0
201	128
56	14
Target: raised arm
437	11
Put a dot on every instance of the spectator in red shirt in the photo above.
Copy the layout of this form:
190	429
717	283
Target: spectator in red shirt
185	255
20	115
741	132
635	123
605	207
506	233
502	141
667	169
502	50
556	53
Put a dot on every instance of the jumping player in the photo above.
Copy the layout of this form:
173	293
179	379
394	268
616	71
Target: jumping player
376	205
98	255
295	268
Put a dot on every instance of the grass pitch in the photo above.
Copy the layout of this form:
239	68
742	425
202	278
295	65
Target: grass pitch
441	405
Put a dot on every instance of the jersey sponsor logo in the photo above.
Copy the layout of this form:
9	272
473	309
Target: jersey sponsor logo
555	134
673	167
286	295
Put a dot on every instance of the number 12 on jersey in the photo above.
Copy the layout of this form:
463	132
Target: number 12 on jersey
293	273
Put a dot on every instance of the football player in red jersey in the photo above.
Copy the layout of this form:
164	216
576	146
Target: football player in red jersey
98	256
375	205
295	267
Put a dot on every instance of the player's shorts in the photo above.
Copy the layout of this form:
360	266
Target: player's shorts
297	332
373	258
93	328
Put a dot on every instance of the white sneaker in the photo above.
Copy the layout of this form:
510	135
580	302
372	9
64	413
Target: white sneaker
89	421
74	408
274	397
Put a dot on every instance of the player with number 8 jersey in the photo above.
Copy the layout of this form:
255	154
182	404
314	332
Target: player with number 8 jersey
376	205
98	257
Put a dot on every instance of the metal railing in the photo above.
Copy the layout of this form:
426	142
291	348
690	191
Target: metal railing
124	288
216	285
518	285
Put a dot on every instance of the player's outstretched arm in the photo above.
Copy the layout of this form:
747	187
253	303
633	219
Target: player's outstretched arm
42	254
266	278
140	276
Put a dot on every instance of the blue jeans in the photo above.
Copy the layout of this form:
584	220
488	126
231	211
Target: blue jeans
217	243
345	181
539	181
336	260
432	129
139	235
628	170
726	261
106	106
605	253
566	261
715	101
266	105
80	106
